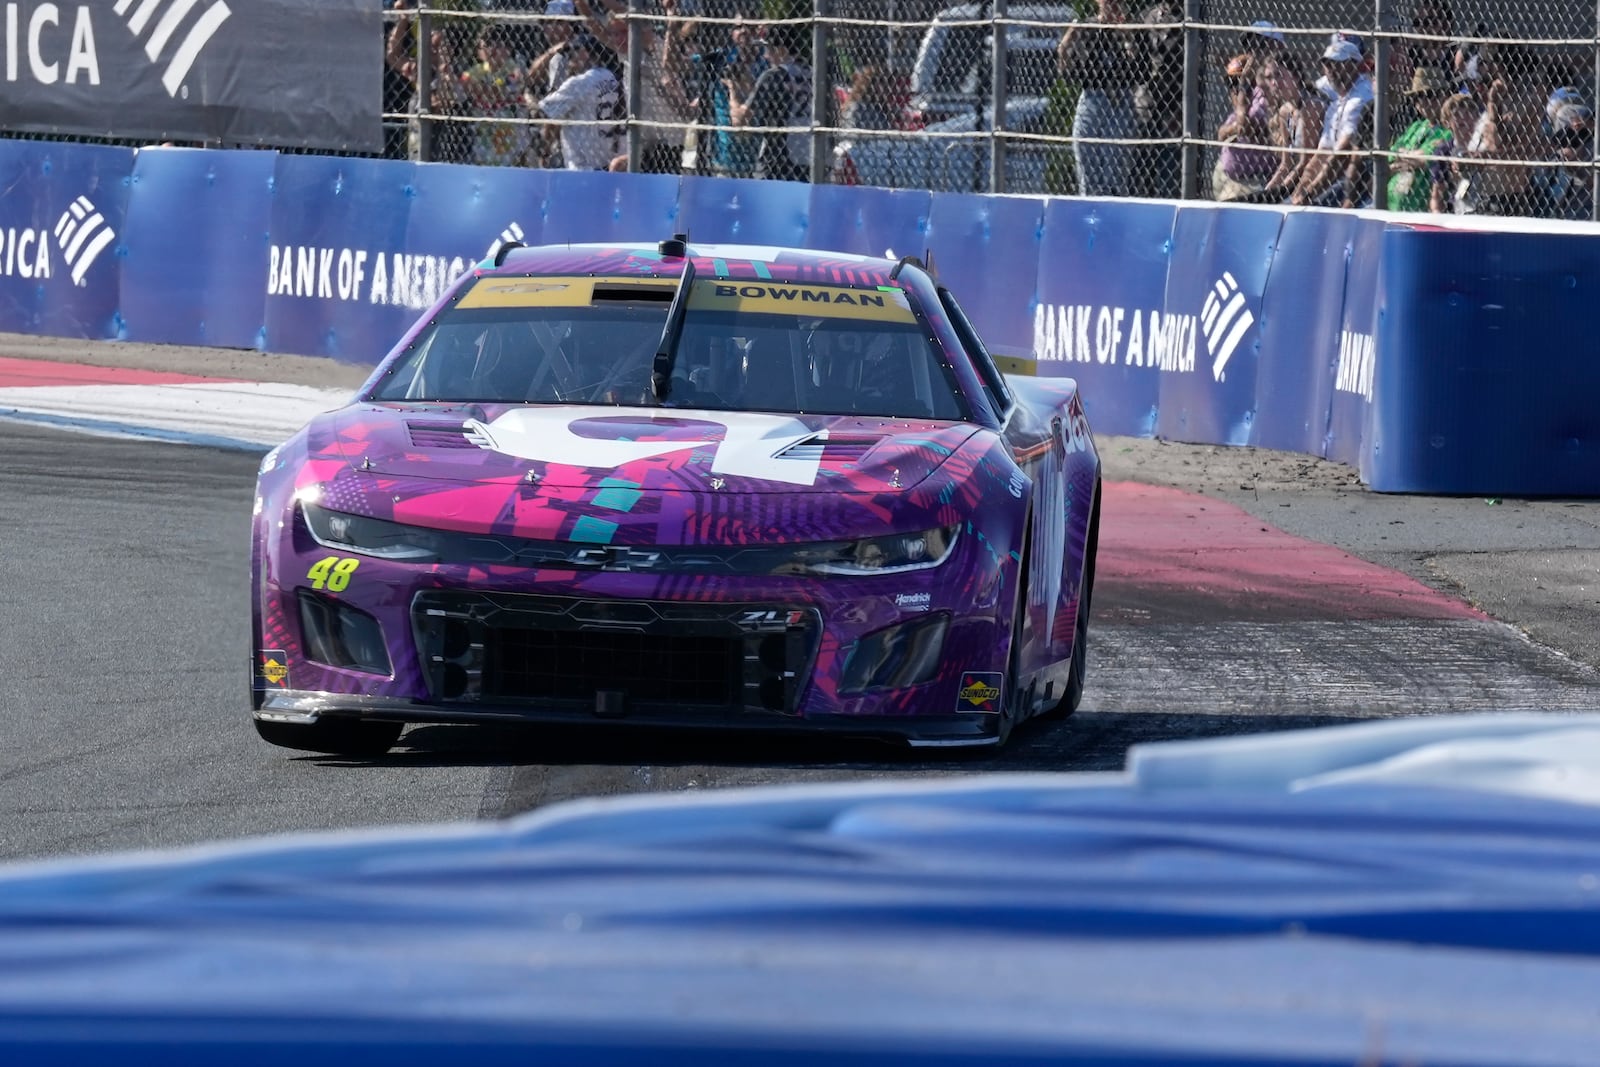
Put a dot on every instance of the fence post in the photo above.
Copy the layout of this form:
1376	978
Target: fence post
1191	101
423	101
820	93
635	81
1380	104
1594	148
999	60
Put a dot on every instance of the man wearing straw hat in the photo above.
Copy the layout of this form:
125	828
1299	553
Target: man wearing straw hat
1416	155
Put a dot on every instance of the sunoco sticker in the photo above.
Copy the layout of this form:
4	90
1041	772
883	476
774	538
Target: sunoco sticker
980	691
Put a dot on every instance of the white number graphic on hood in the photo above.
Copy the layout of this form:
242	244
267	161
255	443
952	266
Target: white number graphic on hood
752	445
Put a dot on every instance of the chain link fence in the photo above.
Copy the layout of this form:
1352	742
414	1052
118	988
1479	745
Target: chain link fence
1443	106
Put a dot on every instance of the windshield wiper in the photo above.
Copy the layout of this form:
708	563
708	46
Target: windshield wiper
671	334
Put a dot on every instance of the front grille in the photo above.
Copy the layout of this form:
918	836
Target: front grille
573	664
614	657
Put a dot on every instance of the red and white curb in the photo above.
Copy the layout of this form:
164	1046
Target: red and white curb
159	405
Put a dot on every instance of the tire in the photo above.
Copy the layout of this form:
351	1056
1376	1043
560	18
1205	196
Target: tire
1015	711
1080	663
333	736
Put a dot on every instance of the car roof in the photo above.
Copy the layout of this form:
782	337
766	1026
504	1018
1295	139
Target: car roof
735	262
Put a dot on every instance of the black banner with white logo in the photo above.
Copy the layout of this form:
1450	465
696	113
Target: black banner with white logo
273	73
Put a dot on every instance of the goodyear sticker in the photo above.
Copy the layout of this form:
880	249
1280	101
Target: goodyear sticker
783	298
494	291
272	669
980	691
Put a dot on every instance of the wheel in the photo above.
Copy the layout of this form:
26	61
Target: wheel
1080	663
1080	653
333	736
1014	709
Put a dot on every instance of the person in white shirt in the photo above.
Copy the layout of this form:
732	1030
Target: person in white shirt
1331	178
588	104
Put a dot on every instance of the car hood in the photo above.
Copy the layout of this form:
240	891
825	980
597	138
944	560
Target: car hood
673	449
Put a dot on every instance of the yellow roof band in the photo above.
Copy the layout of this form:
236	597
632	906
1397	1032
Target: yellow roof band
780	298
501	292
762	297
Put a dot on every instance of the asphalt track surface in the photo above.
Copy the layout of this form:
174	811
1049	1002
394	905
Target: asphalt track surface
1239	591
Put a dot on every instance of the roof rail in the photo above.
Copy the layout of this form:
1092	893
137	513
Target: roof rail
505	247
676	246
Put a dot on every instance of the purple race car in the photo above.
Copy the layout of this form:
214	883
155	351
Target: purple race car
683	485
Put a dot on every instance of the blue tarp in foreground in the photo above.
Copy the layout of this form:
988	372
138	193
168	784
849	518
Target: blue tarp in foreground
1440	360
1421	891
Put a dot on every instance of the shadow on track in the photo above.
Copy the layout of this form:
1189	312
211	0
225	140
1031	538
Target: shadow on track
1088	741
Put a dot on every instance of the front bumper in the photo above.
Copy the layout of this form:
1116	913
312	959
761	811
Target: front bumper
954	731
775	659
467	642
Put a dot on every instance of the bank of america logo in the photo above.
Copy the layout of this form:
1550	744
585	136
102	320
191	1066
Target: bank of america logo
82	233
510	235
1225	318
166	19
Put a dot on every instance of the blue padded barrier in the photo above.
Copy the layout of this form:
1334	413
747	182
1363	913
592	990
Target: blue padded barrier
62	212
175	290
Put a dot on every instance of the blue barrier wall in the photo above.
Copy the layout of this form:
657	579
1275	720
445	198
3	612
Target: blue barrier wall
1434	360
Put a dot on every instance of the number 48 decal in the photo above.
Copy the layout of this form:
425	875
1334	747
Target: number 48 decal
332	573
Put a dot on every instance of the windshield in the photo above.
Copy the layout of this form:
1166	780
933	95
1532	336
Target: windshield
765	346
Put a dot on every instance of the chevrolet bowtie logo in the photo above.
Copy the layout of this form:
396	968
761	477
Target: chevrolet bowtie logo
615	558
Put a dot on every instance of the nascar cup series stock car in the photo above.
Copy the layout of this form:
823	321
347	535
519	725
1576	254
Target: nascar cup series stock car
680	485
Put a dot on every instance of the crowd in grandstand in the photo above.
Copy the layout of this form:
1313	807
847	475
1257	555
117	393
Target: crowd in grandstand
1477	125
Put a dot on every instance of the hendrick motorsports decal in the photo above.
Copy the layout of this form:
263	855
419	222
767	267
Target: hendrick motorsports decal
980	691
272	669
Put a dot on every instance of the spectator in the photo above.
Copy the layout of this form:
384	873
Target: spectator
727	76
663	109
874	100
1434	24
1242	171
1263	41
781	97
1158	105
1471	58
1459	115
588	104
440	137
397	89
606	22
1294	124
1558	99
1415	172
495	87
1332	176
548	69
1509	136
1566	186
1105	60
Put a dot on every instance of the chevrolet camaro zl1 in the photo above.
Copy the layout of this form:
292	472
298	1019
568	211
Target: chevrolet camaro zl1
680	485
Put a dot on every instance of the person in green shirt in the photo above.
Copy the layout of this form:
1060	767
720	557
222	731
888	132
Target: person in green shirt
1415	154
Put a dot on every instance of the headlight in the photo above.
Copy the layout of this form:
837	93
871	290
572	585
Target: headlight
894	554
371	537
